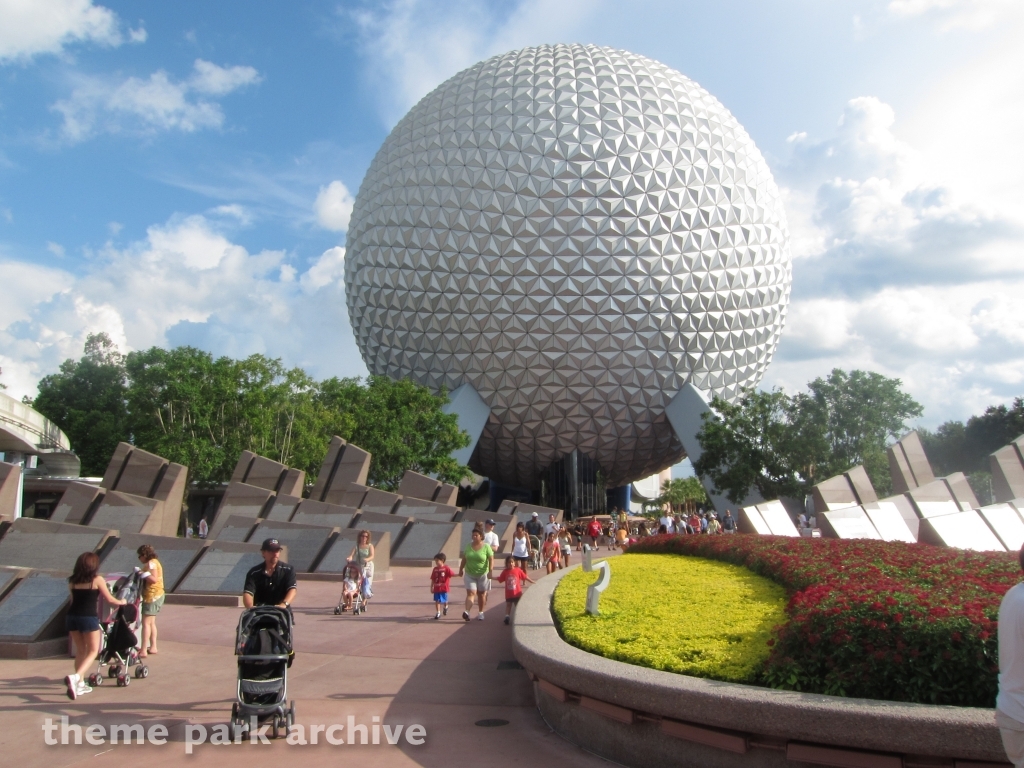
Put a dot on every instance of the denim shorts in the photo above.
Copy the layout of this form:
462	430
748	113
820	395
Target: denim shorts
81	624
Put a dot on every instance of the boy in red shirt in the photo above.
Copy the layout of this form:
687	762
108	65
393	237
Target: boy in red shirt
512	577
440	579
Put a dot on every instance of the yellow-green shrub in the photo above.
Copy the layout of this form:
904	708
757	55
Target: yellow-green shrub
680	614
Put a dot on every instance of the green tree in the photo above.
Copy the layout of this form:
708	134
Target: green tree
86	399
852	417
672	494
682	494
996	427
401	424
948	449
958	447
752	444
201	411
782	445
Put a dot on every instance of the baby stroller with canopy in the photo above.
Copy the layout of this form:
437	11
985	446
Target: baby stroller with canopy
535	544
354	582
263	645
119	631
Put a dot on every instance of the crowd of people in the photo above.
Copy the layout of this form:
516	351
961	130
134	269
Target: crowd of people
697	521
535	545
549	546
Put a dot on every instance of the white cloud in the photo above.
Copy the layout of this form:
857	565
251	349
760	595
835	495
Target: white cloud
415	45
864	214
185	283
333	206
56	249
968	126
971	14
957	349
157	103
234	211
192	243
897	271
329	268
32	27
219	81
25	285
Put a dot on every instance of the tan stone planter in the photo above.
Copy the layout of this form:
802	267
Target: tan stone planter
643	717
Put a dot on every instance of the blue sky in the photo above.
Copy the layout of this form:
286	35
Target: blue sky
183	172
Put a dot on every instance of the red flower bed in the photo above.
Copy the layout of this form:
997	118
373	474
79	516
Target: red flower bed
871	619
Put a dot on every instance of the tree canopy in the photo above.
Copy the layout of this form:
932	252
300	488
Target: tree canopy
956	446
201	411
86	399
682	494
781	445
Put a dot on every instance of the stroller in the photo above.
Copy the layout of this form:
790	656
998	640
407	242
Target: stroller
351	572
535	554
119	636
263	645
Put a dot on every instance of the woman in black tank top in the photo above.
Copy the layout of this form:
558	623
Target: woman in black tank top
83	621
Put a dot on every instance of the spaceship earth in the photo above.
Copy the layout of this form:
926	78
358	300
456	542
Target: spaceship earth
577	232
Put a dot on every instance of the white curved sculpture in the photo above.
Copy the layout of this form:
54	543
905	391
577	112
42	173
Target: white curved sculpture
594	590
577	232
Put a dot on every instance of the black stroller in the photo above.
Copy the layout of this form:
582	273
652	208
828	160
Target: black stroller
263	645
120	651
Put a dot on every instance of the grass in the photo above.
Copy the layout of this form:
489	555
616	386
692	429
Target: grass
678	614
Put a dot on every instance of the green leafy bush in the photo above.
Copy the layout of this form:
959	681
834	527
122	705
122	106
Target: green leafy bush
678	614
872	619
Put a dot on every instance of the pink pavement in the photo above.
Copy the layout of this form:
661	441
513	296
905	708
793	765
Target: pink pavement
394	662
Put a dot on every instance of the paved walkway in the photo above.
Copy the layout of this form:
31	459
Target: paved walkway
394	662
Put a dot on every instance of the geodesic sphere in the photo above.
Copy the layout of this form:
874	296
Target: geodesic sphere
577	232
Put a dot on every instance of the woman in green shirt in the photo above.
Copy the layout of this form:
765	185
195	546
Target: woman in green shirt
362	553
475	567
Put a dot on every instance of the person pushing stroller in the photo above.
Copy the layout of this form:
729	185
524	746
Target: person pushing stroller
272	583
264	642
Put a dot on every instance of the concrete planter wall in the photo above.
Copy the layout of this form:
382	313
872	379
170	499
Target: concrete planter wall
642	717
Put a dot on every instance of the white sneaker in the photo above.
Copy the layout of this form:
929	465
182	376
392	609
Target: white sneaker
480	616
72	681
83	688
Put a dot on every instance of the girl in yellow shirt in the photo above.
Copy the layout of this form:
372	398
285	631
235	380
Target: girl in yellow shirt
152	598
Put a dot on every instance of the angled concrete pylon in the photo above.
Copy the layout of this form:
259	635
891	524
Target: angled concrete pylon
466	403
684	413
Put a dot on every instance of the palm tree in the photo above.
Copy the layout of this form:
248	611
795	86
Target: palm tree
673	494
685	493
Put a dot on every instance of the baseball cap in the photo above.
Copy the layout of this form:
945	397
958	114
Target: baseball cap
271	545
490	522
536	514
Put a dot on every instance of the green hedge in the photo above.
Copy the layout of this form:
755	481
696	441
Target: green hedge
679	614
872	619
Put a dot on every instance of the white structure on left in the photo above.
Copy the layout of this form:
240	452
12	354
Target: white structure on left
25	434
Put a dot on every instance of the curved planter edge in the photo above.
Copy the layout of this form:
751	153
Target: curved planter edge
566	676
